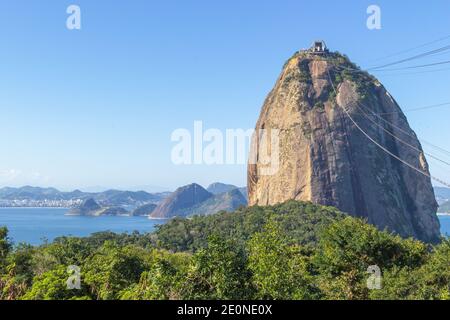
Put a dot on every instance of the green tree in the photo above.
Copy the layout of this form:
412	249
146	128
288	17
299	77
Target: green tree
218	271
348	247
292	250
159	283
434	275
5	247
280	271
19	272
21	260
431	281
11	287
69	251
52	285
300	220
163	280
112	269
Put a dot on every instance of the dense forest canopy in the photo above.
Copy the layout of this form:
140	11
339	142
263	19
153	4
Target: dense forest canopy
293	250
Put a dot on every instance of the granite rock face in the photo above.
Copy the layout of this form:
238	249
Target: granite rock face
87	207
324	158
144	210
181	201
226	201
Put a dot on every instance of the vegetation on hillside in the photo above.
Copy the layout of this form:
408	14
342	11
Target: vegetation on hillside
293	250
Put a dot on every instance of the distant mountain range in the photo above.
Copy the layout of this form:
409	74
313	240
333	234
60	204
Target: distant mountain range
442	194
184	198
193	199
443	199
50	197
185	201
445	207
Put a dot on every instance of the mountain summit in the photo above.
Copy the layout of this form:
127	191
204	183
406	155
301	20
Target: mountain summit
181	201
344	142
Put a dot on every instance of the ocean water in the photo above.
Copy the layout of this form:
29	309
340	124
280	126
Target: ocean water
445	225
34	225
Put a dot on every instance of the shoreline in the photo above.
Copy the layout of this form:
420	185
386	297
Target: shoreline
152	218
439	214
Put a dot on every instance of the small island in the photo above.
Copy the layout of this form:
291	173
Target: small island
90	207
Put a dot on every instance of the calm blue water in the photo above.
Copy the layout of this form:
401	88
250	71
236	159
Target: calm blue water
32	225
445	225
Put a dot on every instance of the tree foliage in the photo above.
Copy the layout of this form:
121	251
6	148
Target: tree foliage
349	247
294	250
5	246
218	271
280	271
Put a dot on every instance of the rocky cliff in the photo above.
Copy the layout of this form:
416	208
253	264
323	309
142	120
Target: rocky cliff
326	159
90	207
144	210
225	201
218	188
87	207
193	199
181	201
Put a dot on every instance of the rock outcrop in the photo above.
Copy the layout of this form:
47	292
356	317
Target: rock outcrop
218	187
111	211
87	207
226	201
144	210
193	199
90	207
181	201
324	158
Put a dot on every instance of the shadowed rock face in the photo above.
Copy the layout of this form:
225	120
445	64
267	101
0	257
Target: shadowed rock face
144	210
88	207
226	201
218	188
181	201
325	159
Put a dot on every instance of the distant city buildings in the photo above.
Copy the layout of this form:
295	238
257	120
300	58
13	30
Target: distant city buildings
45	203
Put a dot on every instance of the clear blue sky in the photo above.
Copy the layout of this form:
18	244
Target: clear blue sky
96	107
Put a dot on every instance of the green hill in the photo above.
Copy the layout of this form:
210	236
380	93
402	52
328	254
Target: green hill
300	220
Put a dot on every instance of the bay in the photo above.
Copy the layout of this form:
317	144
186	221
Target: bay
35	225
445	225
